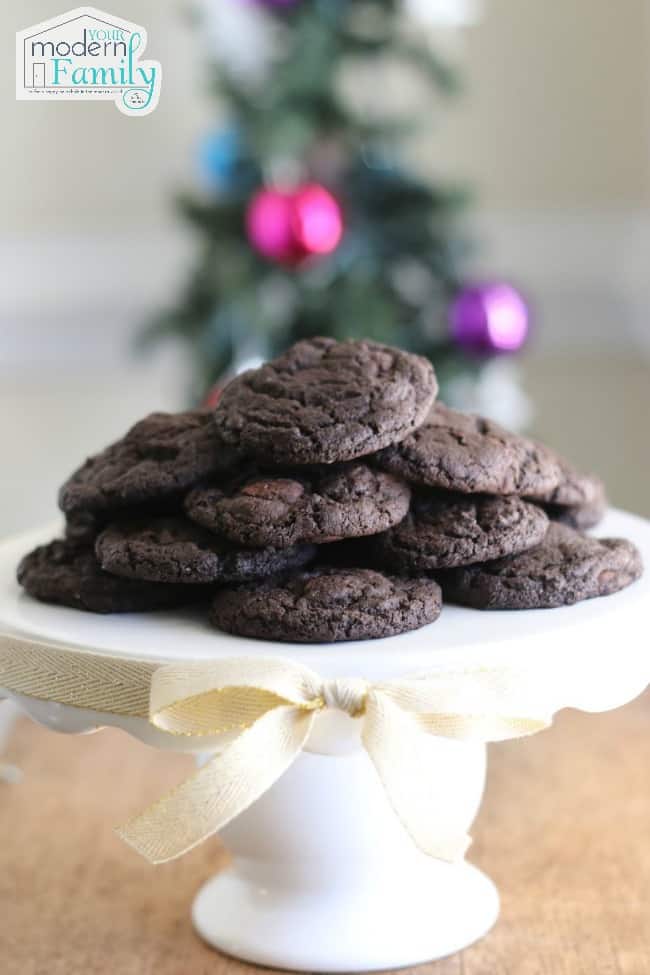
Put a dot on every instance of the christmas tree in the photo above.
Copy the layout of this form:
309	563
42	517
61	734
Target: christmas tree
310	222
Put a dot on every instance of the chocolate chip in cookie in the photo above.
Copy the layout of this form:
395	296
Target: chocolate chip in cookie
567	567
444	530
160	457
471	455
327	605
175	550
325	401
324	505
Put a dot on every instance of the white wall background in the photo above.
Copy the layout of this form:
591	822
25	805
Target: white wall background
553	130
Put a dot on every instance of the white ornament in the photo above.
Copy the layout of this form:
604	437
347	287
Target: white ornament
444	13
241	37
496	393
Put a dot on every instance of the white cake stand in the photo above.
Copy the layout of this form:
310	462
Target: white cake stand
324	876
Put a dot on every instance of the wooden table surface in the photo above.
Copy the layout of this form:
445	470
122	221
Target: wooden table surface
564	832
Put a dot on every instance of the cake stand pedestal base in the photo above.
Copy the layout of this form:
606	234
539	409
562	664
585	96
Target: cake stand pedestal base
283	928
325	879
324	875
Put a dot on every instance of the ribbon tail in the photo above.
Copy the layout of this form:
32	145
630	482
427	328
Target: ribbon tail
404	757
227	785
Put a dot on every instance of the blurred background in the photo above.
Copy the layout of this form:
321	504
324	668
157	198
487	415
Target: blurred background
470	178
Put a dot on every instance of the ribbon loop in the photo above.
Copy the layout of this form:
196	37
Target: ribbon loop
223	789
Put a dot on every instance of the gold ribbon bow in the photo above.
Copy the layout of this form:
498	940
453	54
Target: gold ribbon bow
268	707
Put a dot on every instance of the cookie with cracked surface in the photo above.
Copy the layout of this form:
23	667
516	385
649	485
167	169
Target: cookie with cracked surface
175	550
566	568
442	531
83	527
350	501
161	457
471	455
582	517
68	574
325	401
327	605
579	500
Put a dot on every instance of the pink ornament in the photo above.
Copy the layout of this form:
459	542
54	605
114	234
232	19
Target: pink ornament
268	224
488	318
317	219
288	226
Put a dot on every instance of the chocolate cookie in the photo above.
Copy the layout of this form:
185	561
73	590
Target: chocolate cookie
327	605
69	575
466	453
573	489
83	527
325	401
323	506
174	550
582	517
579	500
566	568
451	530
160	457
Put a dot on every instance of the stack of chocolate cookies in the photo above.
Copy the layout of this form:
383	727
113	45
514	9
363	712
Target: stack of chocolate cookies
328	497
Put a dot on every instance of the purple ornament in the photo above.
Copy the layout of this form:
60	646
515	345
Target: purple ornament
488	318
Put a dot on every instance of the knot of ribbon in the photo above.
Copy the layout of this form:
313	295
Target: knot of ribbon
345	694
266	708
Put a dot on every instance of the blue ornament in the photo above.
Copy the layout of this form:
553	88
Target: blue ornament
219	155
